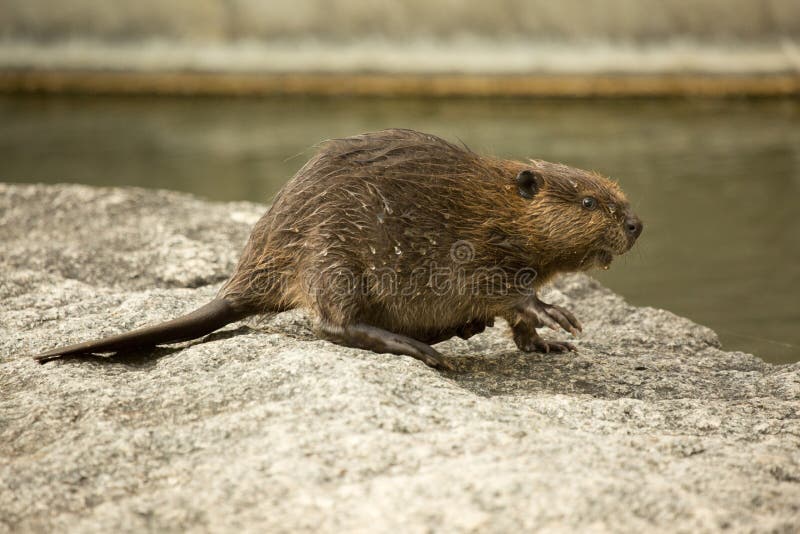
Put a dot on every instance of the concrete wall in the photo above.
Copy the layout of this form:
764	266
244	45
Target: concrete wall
637	21
412	36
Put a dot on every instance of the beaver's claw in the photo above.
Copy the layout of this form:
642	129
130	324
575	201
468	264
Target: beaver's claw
538	313
527	340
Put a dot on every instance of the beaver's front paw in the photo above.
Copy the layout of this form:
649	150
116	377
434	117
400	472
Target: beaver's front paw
540	313
476	326
527	340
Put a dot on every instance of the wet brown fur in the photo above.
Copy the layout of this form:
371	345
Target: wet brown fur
398	200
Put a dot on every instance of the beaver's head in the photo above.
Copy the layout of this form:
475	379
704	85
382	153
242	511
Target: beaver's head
578	219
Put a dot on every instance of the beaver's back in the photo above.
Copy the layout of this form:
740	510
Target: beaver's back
382	205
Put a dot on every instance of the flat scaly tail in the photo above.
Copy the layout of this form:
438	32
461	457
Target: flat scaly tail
200	322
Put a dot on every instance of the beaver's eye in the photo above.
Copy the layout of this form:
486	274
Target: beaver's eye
589	203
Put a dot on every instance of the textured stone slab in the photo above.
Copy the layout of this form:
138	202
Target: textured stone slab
261	427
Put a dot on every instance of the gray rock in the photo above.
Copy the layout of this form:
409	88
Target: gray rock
261	427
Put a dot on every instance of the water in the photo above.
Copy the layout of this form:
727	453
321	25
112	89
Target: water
717	182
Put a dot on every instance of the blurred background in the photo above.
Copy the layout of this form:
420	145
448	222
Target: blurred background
691	105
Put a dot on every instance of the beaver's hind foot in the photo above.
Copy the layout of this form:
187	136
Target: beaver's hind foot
363	336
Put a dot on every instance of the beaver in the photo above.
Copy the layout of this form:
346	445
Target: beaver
397	240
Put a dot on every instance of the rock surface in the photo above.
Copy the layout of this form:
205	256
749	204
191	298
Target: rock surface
260	427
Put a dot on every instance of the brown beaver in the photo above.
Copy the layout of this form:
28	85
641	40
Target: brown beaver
396	240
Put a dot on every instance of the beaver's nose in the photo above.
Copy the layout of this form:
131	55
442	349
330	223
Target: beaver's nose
633	226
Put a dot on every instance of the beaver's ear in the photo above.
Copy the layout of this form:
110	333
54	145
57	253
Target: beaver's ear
528	183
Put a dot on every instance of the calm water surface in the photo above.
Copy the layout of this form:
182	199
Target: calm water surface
717	182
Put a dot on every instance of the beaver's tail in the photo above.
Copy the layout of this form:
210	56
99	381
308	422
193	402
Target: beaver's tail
200	322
